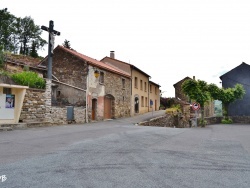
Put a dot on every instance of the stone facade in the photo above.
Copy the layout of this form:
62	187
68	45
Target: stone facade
59	115
69	75
178	91
114	86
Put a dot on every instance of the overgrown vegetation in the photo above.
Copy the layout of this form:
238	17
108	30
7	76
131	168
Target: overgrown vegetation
202	92
28	78
173	109
227	121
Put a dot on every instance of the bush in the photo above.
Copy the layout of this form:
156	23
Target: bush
174	109
227	121
30	79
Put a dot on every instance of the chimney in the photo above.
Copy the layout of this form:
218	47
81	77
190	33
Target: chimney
193	77
112	54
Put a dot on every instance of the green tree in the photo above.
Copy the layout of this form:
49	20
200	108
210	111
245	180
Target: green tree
227	96
198	91
33	51
7	30
29	33
66	44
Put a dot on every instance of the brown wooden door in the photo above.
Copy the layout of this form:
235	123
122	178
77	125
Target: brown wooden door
107	108
94	105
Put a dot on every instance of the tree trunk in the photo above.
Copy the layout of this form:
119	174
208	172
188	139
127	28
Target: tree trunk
225	111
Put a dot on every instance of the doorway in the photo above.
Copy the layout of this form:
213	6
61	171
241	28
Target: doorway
94	108
136	105
109	107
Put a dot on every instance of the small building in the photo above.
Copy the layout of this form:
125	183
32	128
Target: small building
11	101
238	75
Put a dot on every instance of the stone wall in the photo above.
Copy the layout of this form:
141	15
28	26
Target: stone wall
59	115
37	108
114	87
241	119
34	108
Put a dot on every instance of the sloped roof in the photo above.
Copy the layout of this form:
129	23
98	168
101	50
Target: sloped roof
92	61
186	78
242	64
131	65
154	83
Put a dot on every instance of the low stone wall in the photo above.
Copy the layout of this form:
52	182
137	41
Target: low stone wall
241	119
59	115
34	108
212	120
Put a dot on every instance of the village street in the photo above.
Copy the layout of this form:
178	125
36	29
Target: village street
119	153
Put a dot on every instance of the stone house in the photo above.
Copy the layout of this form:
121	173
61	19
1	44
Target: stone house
79	80
178	93
140	86
208	108
240	75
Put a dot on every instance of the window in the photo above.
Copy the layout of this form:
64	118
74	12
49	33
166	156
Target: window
101	78
136	84
145	86
150	88
123	83
6	90
155	90
141	85
142	101
146	101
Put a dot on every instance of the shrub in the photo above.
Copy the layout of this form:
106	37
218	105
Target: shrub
174	109
30	79
227	121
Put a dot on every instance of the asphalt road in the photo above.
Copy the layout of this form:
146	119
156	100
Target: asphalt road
120	154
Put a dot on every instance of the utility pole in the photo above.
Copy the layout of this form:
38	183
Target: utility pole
52	34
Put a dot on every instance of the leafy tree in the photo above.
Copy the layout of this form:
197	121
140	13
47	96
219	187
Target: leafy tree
18	33
1	57
33	51
28	33
198	91
7	30
227	95
66	44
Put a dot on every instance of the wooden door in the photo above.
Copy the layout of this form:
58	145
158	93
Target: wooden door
94	106
107	108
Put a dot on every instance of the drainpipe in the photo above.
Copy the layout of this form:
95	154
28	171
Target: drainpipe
87	92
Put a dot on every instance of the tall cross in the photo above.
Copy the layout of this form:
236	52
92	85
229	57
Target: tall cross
52	34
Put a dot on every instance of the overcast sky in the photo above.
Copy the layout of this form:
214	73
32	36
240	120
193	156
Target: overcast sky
167	39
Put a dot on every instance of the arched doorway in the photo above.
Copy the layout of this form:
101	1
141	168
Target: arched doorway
136	105
109	111
94	109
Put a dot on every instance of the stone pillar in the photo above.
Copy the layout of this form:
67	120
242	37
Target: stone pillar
48	101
